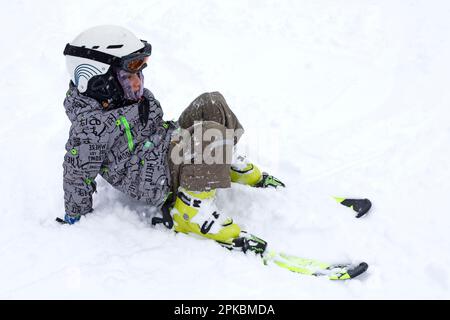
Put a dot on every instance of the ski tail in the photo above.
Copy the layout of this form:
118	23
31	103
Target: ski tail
360	206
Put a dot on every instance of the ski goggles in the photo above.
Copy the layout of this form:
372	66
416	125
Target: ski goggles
134	62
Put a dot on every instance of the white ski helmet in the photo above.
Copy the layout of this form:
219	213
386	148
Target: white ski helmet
90	56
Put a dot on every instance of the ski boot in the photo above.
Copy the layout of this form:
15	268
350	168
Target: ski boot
196	213
244	172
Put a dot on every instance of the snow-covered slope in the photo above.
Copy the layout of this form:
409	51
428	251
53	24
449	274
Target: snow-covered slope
345	98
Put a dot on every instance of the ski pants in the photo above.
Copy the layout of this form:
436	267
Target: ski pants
210	130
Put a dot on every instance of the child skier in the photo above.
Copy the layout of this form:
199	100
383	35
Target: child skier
118	132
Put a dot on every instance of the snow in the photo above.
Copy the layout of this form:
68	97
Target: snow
344	98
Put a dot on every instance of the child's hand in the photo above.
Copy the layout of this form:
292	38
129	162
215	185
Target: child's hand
72	218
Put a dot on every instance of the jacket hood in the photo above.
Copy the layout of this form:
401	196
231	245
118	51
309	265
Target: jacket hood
75	103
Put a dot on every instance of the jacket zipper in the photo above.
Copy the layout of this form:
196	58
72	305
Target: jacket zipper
128	134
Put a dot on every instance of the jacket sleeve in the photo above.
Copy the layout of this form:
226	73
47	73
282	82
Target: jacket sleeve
86	150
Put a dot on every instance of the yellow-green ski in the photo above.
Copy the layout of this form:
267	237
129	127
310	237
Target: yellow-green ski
315	268
248	242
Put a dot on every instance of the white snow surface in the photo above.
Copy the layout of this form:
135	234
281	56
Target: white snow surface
338	98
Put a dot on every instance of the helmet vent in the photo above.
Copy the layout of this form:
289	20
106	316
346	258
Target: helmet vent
95	47
114	46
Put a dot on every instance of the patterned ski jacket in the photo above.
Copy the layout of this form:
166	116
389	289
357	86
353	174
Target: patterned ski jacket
127	146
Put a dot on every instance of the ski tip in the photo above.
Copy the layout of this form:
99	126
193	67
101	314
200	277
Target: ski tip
359	269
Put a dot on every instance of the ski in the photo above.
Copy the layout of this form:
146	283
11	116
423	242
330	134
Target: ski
342	271
333	271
